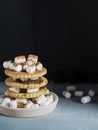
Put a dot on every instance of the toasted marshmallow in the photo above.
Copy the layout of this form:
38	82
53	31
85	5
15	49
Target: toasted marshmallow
16	90
29	104
34	106
29	62
5	101
13	104
31	68
20	59
34	58
11	66
24	65
17	67
6	64
30	90
39	66
21	100
41	99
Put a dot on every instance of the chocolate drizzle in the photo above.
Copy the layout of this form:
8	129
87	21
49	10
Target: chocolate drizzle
38	81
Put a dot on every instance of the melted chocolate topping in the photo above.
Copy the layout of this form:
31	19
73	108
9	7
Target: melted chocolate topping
38	81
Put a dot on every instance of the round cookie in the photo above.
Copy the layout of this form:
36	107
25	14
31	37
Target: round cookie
10	82
15	74
42	91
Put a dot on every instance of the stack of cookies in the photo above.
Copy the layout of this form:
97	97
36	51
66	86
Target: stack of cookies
27	84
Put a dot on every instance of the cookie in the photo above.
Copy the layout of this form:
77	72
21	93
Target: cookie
12	83
15	74
28	95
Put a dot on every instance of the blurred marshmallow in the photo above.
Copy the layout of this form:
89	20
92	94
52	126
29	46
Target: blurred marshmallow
39	66
78	93
13	104
5	101
31	68
34	106
20	59
49	99
1	98
29	90
91	93
6	64
21	100
34	58
5	93
85	99
66	94
71	88
29	104
16	90
41	99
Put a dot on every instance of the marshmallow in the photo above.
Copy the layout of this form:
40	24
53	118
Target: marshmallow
14	78
35	78
71	88
41	99
34	58
17	67
5	93
24	65
29	90
5	102
21	100
16	90
66	94
78	93
31	68
23	79
39	66
49	99
20	59
1	98
29	62
85	99
6	64
11	66
91	92
29	104
34	106
13	104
